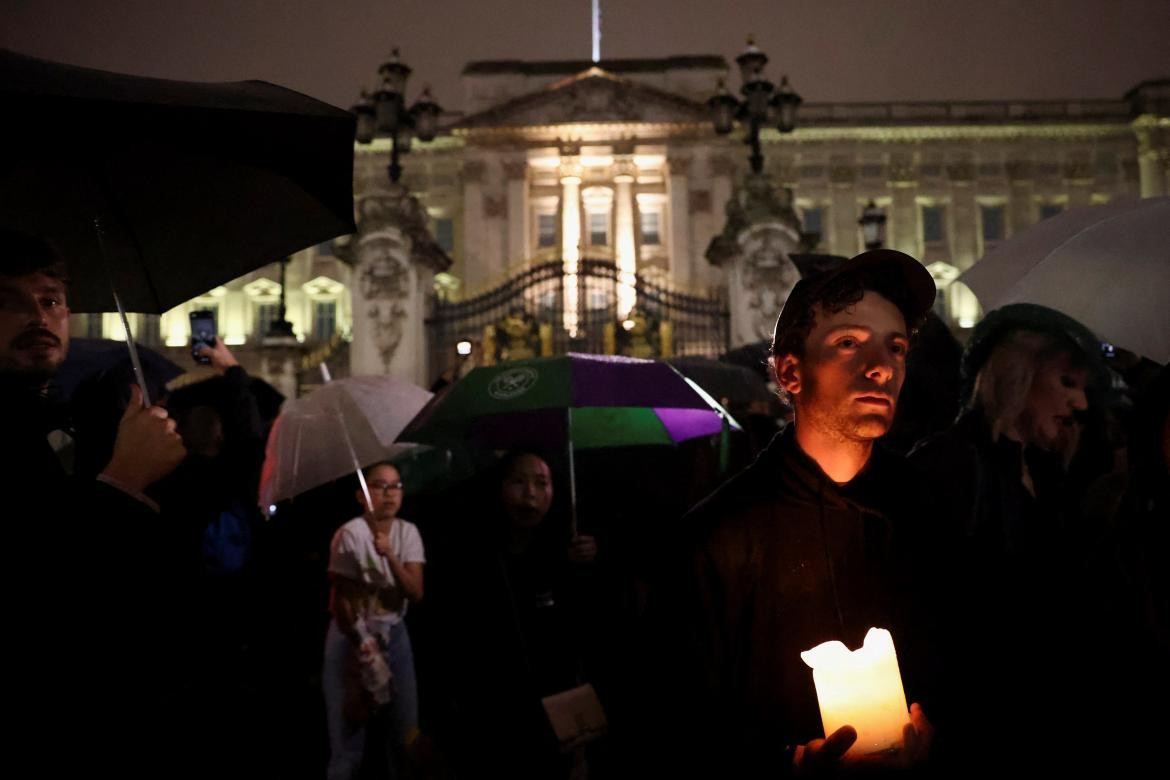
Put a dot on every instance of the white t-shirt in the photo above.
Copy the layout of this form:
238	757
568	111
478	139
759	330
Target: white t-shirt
352	555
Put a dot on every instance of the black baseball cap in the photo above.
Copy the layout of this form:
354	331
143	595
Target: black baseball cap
914	278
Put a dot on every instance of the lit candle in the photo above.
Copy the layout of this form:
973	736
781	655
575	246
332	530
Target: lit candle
861	688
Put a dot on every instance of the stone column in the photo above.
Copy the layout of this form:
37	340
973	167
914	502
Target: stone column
1021	200
475	268
965	241
571	240
903	223
1078	179
682	263
1153	136
395	260
516	176
843	232
625	246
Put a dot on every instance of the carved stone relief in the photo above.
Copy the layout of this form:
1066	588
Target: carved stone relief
680	166
699	202
495	206
767	276
473	171
761	232
514	169
722	165
384	283
1019	170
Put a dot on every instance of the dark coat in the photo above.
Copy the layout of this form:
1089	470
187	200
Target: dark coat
1031	645
94	645
778	560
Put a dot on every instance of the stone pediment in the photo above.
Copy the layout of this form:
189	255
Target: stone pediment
594	95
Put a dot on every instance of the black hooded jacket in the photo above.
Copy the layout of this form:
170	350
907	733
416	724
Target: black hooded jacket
778	560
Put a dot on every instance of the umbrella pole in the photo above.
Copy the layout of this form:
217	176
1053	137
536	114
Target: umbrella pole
130	345
357	467
572	474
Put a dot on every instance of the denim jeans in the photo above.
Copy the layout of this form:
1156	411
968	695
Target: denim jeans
391	726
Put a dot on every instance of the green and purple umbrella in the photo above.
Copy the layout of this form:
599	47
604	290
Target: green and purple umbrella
574	401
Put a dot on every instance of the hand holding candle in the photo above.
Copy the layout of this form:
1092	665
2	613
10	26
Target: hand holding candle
862	689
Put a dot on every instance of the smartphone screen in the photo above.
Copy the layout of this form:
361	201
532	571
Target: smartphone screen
202	333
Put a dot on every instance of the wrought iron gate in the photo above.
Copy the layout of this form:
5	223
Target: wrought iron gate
525	317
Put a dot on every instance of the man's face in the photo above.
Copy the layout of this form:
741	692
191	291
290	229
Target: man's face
34	326
846	386
385	484
527	491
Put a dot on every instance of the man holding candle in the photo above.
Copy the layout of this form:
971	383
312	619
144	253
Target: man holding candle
802	547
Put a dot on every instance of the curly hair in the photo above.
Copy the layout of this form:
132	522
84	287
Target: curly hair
838	295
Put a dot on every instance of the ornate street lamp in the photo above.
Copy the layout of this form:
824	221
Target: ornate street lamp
280	329
873	226
384	113
763	104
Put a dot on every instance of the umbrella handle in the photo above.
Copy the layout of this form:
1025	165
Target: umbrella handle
130	345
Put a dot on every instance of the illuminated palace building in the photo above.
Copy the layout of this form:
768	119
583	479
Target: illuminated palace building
596	208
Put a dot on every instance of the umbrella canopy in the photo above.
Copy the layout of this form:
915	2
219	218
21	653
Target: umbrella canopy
1106	266
194	184
93	359
343	425
588	400
735	383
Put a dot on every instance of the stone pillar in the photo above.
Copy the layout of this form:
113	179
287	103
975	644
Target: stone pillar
1021	201
843	232
903	224
475	268
964	215
395	260
516	176
682	263
625	246
571	241
762	230
1153	135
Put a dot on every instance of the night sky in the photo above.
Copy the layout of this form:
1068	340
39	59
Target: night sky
832	50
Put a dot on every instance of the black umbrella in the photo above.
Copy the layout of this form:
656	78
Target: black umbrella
89	359
731	383
161	190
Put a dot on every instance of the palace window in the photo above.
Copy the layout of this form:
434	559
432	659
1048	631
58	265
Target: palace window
814	220
324	320
933	229
651	228
266	314
445	234
93	326
1050	210
991	218
149	331
598	228
546	230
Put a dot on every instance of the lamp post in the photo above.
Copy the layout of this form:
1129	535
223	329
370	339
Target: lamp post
873	226
384	113
763	103
281	329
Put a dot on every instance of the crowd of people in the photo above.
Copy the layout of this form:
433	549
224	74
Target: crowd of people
1000	507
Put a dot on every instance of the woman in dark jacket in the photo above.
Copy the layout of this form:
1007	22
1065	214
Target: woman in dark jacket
1024	654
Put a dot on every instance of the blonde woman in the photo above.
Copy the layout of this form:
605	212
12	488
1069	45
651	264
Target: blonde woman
1014	598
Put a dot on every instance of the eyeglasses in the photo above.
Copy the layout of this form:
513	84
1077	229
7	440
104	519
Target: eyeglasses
385	487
